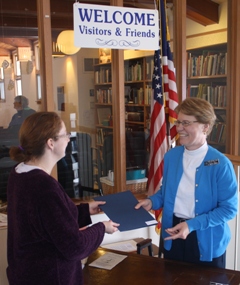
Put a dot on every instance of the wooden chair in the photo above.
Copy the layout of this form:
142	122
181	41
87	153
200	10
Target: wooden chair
79	171
143	244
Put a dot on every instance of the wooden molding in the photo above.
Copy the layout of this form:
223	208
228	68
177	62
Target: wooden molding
207	33
19	18
204	12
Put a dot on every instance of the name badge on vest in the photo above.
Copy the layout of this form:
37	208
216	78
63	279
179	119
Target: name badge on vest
211	162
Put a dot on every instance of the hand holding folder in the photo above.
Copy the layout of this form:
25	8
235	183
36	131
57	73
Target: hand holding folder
120	208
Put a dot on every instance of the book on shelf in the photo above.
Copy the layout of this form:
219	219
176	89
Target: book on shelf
223	137
136	96
97	77
148	95
214	65
149	68
209	65
222	64
133	72
217	133
192	90
103	75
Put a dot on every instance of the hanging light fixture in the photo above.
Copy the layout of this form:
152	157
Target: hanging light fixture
65	42
24	53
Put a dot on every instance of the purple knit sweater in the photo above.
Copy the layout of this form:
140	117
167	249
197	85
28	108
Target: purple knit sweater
45	245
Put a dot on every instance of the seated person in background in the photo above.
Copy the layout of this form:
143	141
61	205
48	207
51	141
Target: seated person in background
23	111
9	136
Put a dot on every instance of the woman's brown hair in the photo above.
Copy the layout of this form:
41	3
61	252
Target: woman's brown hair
33	135
201	109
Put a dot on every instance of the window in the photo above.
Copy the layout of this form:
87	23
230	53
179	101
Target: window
2	90
37	56
18	86
39	91
17	65
17	74
38	75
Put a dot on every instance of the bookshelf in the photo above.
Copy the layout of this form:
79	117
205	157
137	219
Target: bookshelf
103	100
138	89
207	79
137	94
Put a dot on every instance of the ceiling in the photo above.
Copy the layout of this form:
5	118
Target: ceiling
19	27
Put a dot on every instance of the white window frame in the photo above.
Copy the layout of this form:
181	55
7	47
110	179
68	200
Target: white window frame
38	74
2	87
17	74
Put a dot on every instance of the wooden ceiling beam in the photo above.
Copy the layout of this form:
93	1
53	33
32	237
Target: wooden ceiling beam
204	12
21	16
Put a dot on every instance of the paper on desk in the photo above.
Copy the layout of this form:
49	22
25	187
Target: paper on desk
127	246
108	260
120	208
3	220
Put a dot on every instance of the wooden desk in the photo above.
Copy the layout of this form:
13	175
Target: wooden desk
141	270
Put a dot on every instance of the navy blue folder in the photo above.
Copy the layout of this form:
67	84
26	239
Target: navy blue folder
120	208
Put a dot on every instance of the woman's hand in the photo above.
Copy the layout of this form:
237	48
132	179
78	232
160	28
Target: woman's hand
94	207
146	204
181	230
110	227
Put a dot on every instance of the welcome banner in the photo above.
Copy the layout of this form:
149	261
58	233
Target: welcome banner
99	26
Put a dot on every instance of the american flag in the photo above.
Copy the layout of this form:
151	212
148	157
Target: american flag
162	130
169	79
158	129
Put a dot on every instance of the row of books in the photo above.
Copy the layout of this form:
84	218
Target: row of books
218	134
104	96
216	95
133	72
138	95
133	95
103	75
207	64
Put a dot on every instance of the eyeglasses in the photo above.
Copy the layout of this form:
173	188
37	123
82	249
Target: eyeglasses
184	123
67	135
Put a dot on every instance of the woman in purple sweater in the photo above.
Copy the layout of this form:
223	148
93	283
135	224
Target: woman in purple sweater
45	241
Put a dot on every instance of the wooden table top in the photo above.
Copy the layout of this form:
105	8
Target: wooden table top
142	270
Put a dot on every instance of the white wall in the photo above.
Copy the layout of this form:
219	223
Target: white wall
6	107
85	83
65	72
199	35
69	72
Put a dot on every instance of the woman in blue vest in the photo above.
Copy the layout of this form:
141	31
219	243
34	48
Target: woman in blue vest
198	192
